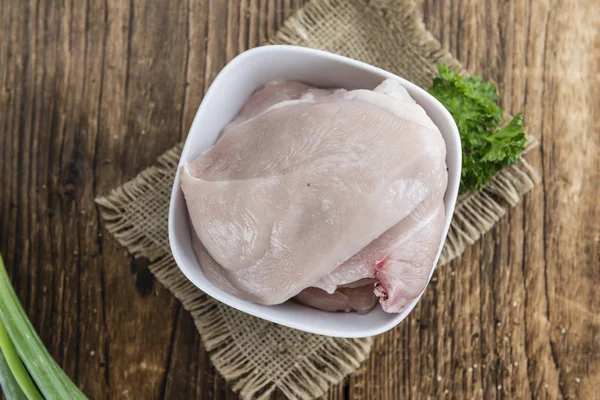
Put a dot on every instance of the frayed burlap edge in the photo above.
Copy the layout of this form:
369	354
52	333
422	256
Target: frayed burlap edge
298	29
113	206
311	377
477	212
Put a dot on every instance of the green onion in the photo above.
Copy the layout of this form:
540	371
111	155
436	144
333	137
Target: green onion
8	384
50	379
21	381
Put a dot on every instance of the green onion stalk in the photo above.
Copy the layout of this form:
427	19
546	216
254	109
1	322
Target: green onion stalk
27	370
9	385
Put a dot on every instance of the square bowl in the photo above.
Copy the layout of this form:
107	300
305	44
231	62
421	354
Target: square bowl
231	88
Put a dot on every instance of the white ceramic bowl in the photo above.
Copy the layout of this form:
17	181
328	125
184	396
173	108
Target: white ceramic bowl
235	83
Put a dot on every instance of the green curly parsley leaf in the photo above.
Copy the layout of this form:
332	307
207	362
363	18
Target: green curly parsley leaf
487	148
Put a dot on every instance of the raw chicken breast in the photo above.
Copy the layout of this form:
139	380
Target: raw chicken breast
309	192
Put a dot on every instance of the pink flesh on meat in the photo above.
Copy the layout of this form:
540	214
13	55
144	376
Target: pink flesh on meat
361	299
316	194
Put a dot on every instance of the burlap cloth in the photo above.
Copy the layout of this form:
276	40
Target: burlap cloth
256	356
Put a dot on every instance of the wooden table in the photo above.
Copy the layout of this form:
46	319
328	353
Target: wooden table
91	92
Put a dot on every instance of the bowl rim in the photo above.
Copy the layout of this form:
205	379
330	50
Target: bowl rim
245	306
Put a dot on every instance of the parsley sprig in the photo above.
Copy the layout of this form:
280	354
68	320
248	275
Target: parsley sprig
487	148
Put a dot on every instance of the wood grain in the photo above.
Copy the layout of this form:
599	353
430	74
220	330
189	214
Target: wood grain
92	92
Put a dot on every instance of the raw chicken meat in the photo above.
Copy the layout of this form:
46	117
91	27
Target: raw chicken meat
361	299
331	197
